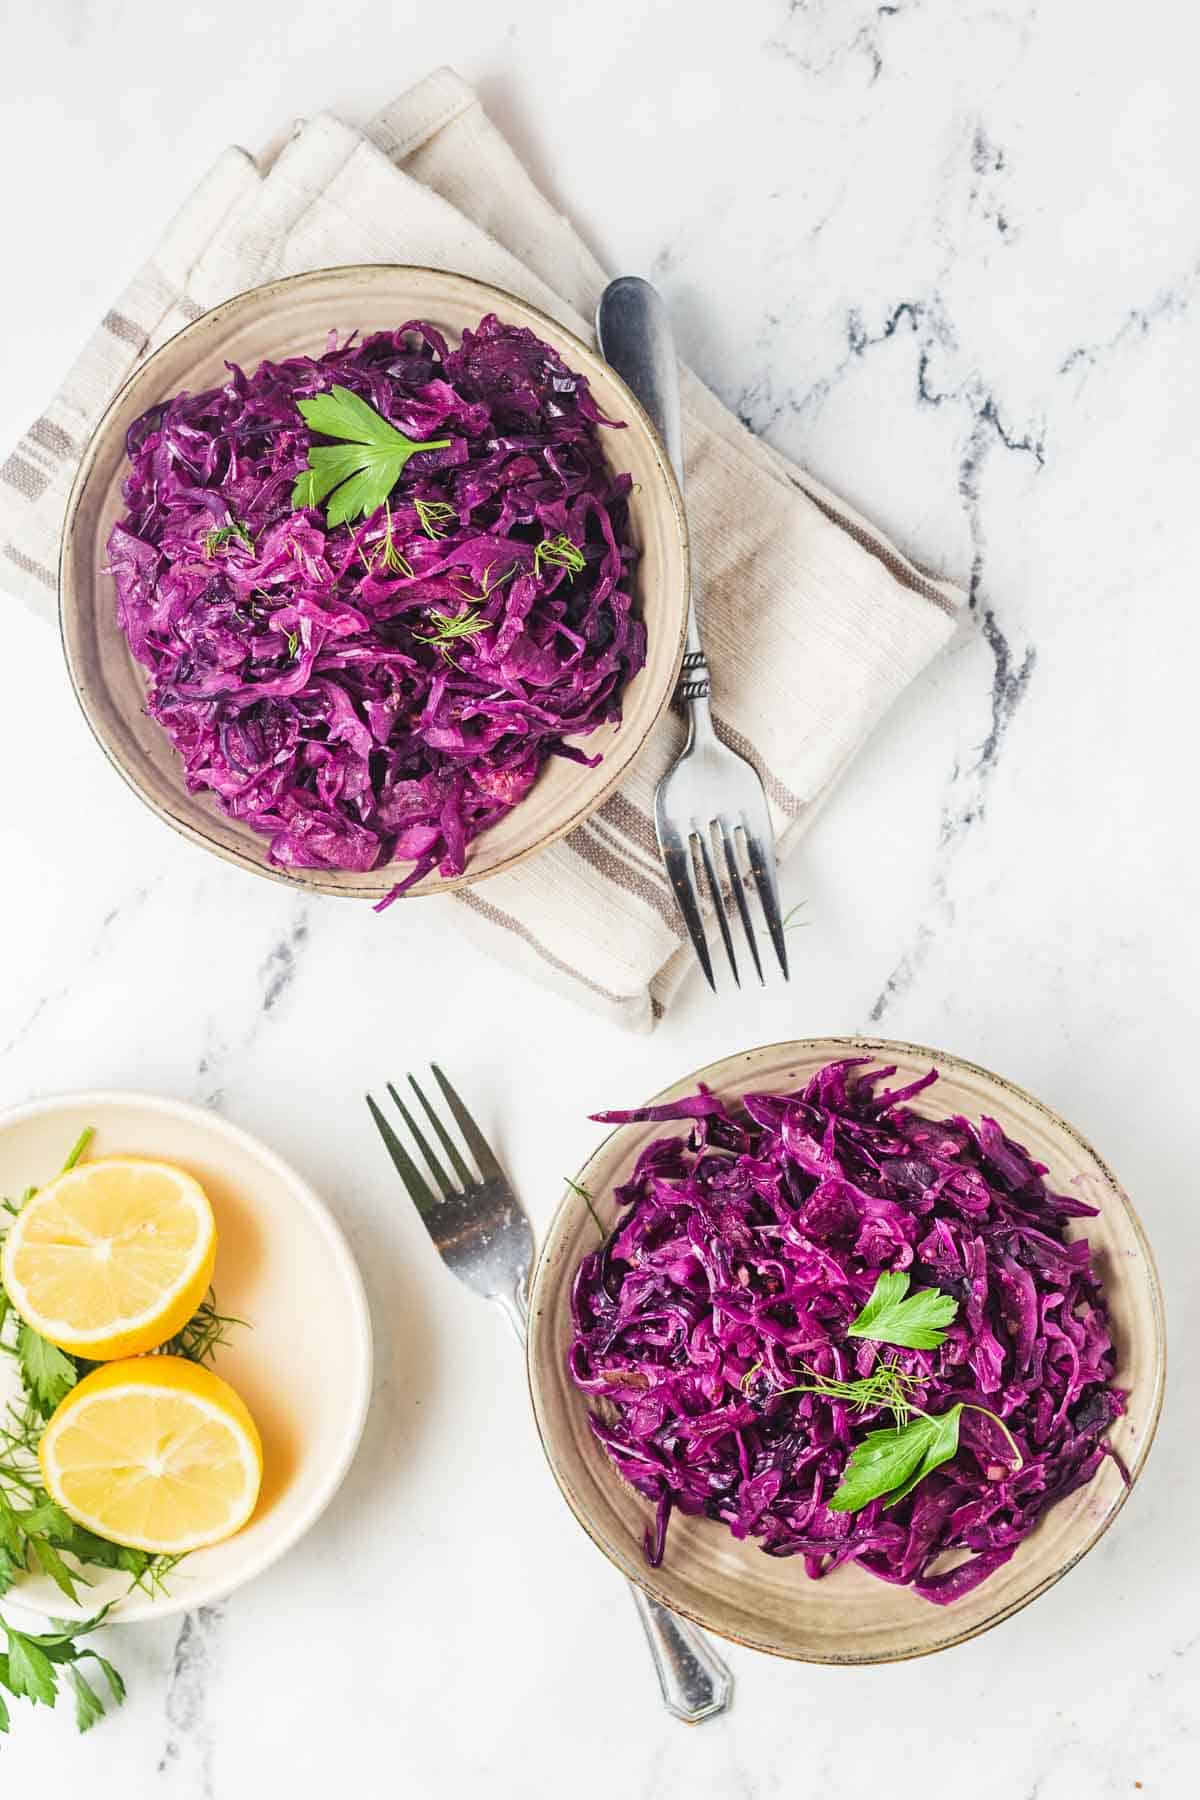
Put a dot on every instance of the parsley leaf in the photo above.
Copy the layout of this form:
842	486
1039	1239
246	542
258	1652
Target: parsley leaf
892	1461
363	467
940	1444
89	1708
30	1671
116	1685
888	1318
47	1372
53	1565
10	1530
48	1520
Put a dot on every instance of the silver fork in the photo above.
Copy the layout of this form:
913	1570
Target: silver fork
483	1235
712	794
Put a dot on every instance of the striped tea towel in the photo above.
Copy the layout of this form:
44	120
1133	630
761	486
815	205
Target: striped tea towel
813	622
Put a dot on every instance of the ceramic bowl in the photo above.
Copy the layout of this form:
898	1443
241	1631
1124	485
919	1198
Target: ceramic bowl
767	1602
295	316
282	1263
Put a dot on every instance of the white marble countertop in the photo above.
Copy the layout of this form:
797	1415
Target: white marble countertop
946	253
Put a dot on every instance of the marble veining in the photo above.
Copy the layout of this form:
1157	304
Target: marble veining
810	50
279	970
187	1754
1169	303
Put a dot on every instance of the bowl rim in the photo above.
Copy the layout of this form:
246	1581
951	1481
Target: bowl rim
636	1569
334	1472
325	881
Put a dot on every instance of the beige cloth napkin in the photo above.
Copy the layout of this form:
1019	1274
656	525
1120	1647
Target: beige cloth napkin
813	621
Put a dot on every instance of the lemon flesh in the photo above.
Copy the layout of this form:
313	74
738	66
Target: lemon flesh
154	1452
111	1259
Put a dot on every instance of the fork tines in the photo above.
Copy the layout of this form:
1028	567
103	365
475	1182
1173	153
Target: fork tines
478	1226
694	864
419	1190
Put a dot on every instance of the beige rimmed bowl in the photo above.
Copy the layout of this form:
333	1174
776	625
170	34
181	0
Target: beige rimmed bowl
767	1602
295	316
301	1360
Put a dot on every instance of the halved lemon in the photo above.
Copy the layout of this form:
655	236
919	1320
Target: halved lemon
111	1259
155	1452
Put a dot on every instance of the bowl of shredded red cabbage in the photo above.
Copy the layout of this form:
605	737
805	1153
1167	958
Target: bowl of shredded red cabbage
376	591
844	1332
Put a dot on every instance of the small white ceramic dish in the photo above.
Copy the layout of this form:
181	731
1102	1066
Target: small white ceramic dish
302	1363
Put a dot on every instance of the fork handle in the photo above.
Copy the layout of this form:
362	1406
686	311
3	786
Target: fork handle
694	1681
634	333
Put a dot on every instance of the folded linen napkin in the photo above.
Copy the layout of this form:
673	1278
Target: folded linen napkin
813	621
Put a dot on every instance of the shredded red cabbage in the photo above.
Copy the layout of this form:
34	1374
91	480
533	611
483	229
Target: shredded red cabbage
743	1252
290	664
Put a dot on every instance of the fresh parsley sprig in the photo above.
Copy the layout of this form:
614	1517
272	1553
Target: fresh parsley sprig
914	1323
32	1663
47	1373
360	471
892	1460
889	1462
